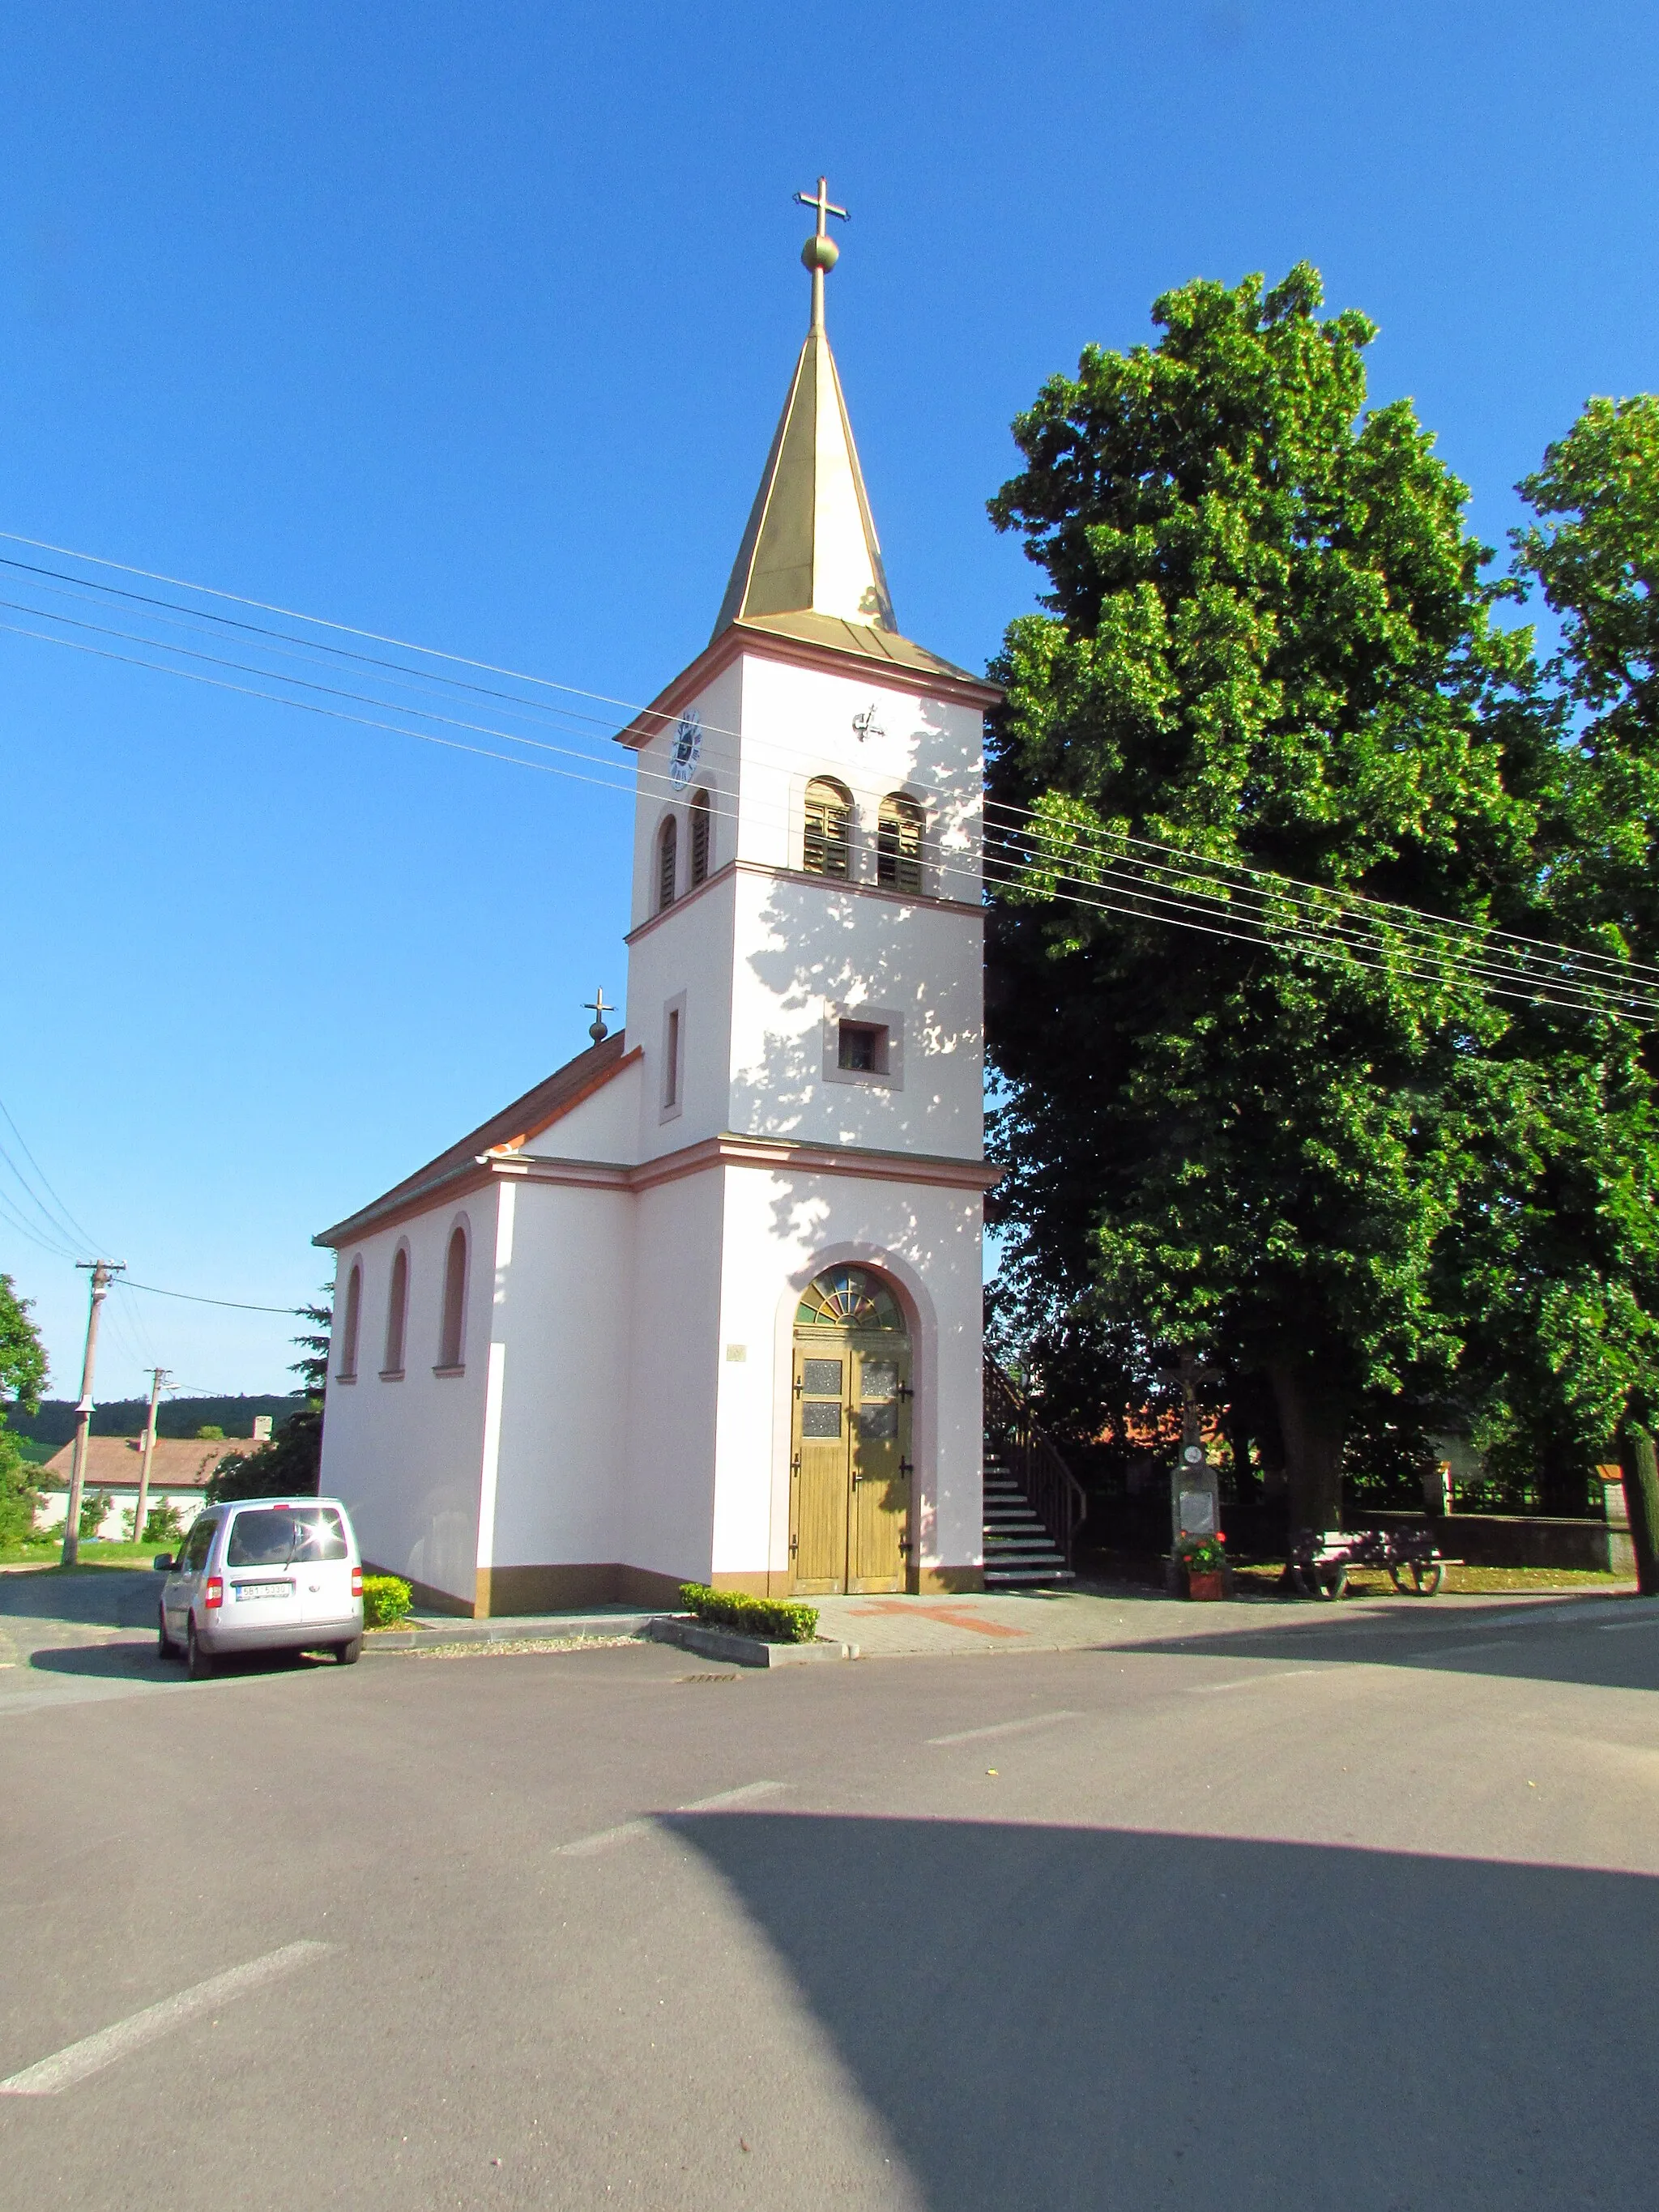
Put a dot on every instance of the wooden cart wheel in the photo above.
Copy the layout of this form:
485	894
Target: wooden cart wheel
1331	1583
1426	1574
1398	1575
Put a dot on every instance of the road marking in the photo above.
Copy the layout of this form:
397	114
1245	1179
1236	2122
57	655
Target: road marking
1463	1650
587	1846
1249	1681
94	2053
1623	1627
1005	1728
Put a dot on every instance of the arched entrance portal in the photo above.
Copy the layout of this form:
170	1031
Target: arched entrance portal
850	1477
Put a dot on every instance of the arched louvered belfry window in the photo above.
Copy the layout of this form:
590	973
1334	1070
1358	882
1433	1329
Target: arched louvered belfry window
396	1313
898	842
350	1317
668	852
827	846
702	815
451	1341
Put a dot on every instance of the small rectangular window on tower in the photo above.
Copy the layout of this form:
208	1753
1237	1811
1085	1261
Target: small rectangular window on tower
863	1045
863	1049
671	1070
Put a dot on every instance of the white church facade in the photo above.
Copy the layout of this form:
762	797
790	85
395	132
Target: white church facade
705	1304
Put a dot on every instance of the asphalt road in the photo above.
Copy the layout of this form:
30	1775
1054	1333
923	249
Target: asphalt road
1358	1913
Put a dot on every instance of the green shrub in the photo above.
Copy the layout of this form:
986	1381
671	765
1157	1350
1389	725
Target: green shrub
386	1599
93	1507
161	1524
769	1617
18	1496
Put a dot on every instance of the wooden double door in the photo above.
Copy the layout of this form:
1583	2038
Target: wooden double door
850	1479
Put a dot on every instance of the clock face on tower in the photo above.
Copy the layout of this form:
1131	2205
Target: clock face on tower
688	746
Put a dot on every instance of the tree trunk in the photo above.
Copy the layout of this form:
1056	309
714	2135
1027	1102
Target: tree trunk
1313	1425
1562	1484
1640	1469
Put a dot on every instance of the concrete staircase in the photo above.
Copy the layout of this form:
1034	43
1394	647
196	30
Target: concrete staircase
1019	1552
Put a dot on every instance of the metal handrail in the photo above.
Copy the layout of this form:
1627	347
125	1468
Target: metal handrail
1030	1456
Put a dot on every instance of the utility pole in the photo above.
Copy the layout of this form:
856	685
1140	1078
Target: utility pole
104	1273
158	1376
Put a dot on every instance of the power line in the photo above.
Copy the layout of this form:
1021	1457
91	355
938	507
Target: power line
1256	881
991	866
196	1298
1599	984
322	622
1236	872
628	707
69	1219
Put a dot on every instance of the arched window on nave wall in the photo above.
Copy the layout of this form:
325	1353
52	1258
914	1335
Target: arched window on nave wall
351	1317
452	1343
396	1312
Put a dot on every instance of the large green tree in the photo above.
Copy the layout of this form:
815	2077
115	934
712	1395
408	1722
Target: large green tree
22	1377
1266	641
1557	1269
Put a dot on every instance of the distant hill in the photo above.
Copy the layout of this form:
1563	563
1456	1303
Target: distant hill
54	1424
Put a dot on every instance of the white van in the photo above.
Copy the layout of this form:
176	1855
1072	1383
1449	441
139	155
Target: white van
263	1574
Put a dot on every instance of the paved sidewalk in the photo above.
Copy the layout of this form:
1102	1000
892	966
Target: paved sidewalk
1074	1619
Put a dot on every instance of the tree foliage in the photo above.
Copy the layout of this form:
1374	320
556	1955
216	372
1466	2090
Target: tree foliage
1266	640
22	1376
22	1356
290	1464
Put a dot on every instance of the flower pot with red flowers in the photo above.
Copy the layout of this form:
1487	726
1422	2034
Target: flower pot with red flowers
1204	1561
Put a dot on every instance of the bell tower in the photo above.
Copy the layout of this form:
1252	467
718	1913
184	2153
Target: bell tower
805	972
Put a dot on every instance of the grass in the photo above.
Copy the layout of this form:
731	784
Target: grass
94	1553
1263	1581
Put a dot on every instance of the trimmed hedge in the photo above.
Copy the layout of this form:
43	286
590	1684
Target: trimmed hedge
386	1599
769	1617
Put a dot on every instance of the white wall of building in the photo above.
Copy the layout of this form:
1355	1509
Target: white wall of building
404	1457
779	1232
563	1346
671	1403
810	950
717	707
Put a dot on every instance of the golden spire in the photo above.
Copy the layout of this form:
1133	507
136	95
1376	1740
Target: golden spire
811	545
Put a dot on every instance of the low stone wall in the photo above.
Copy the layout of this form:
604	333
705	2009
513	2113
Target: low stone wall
1515	1539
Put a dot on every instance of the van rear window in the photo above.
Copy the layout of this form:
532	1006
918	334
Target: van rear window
274	1537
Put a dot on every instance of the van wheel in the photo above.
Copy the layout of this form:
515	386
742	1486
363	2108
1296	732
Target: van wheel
165	1646
198	1662
350	1652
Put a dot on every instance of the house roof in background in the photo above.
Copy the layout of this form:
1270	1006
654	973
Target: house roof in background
114	1462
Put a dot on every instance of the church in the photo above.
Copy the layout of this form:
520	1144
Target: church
705	1304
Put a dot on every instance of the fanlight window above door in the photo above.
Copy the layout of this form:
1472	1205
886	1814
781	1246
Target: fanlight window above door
849	1297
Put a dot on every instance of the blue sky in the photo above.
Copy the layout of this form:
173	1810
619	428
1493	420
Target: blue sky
471	325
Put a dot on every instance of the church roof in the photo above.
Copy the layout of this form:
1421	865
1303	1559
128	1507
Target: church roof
514	1126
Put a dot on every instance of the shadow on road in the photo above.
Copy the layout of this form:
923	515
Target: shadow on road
103	1597
1615	1646
1080	2018
137	1661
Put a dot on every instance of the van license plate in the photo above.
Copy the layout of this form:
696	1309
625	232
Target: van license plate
263	1590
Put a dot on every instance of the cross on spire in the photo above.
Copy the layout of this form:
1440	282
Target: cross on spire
821	200
820	251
